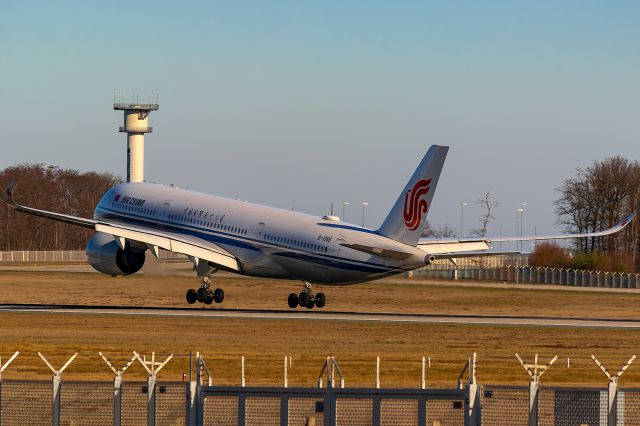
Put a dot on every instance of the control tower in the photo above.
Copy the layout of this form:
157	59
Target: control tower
136	124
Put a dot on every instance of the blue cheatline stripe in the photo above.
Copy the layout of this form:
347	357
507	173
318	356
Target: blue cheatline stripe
349	227
241	242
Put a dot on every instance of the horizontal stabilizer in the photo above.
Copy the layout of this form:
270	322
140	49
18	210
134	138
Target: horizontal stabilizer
380	252
453	246
475	254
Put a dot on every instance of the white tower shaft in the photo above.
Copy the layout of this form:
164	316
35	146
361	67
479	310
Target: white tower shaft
136	124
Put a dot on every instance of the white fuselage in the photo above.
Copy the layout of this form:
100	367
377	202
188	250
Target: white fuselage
268	242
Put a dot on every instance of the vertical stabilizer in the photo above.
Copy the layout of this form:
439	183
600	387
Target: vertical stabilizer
407	218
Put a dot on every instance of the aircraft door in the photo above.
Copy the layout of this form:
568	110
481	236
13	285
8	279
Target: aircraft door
259	230
164	208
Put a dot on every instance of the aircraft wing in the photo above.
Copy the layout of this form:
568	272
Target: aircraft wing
7	197
450	248
195	248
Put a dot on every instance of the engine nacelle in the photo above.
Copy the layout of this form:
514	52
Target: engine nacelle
105	255
429	259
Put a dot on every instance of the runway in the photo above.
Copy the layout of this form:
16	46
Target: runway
315	315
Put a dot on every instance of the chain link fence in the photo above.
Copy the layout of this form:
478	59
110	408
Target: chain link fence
566	406
91	403
75	256
505	405
190	402
568	277
26	403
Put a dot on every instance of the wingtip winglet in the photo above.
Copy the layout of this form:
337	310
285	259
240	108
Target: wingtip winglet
7	193
628	219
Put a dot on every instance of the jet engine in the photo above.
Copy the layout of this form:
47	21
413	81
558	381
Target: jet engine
429	259
105	255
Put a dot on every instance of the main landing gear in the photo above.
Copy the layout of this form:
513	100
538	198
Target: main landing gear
306	299
204	294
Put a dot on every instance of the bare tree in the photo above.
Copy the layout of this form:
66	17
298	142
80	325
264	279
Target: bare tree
439	232
488	205
598	197
50	188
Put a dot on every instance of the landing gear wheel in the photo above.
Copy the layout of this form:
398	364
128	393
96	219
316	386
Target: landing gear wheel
293	300
310	303
304	298
218	295
202	294
192	296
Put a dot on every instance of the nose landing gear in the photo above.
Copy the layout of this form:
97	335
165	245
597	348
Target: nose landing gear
306	298
204	294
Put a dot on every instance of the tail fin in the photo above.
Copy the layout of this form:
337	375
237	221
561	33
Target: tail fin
407	218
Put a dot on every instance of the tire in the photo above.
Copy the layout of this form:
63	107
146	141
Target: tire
202	295
209	299
293	301
320	300
309	303
302	298
192	296
218	295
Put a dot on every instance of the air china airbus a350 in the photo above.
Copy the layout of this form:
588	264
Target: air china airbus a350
230	235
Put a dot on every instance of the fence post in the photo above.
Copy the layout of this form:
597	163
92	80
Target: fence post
57	377
151	383
535	371
242	381
2	368
195	404
286	371
612	389
423	381
472	396
117	387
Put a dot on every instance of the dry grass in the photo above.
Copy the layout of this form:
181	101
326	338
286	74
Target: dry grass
265	342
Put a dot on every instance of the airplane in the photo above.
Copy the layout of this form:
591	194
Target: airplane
220	234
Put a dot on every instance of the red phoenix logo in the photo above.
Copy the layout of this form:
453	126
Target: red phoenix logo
414	206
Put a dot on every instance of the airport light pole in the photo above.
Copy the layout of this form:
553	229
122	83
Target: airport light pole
462	205
344	215
519	212
522	206
363	206
8	234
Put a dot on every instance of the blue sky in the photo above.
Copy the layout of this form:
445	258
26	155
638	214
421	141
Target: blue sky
300	104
